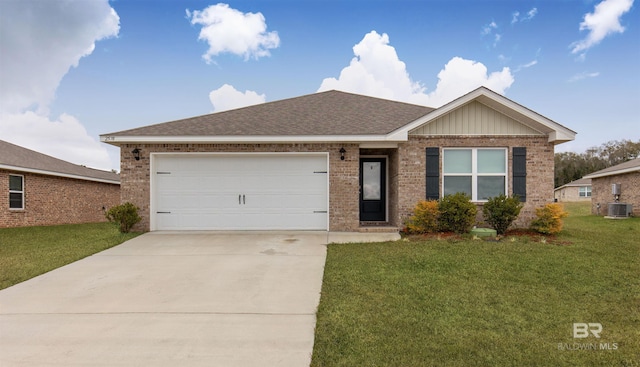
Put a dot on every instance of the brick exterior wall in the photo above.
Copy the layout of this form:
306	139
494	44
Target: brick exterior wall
406	173
601	192
539	179
52	200
343	176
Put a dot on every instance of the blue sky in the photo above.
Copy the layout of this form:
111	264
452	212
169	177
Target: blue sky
74	69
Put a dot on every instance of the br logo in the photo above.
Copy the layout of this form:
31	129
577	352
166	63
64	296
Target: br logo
582	330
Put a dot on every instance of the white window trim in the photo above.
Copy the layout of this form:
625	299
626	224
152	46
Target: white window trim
474	170
586	190
16	192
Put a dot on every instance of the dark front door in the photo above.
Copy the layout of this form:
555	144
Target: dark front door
373	189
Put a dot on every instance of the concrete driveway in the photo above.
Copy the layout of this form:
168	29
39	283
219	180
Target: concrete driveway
169	299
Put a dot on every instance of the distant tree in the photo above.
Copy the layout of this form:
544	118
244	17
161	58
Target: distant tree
570	166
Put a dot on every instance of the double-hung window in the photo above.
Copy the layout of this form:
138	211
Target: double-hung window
16	192
585	191
481	173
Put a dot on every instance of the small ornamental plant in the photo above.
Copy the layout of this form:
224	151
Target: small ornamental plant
501	211
549	219
424	218
457	213
124	215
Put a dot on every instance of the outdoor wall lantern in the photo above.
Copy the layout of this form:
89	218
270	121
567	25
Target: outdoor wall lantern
342	151
136	154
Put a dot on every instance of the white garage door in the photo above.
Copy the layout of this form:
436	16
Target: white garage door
239	192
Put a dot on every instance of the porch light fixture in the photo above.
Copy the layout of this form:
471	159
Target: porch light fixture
136	154
342	151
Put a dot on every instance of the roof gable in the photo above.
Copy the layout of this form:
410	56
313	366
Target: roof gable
499	103
17	158
474	118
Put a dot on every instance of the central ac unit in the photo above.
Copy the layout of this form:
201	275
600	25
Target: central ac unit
619	210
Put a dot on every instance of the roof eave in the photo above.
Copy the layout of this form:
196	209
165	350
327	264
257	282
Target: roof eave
613	173
57	174
195	139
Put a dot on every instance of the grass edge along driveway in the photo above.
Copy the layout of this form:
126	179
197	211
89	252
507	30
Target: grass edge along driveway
27	252
465	302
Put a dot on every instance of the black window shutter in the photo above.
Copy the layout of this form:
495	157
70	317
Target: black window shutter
520	172
433	173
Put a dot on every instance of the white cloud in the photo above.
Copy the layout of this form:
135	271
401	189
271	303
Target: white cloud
604	20
228	98
487	29
461	76
64	138
377	71
582	76
228	30
525	66
515	16
41	41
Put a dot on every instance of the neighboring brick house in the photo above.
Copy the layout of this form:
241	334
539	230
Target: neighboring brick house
335	161
42	190
627	175
578	190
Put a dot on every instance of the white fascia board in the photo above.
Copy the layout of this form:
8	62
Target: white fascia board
613	173
57	174
115	140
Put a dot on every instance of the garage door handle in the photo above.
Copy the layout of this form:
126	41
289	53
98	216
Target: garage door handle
163	212
243	200
239	199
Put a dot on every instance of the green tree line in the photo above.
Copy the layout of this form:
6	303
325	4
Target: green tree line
570	166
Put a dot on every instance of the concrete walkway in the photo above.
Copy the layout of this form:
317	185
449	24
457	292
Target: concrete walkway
169	299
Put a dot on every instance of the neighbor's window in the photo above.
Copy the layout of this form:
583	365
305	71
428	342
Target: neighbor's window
585	191
16	192
481	173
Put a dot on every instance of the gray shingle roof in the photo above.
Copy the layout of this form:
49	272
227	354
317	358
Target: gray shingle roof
14	157
626	167
326	113
578	182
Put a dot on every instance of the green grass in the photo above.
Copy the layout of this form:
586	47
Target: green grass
30	251
465	302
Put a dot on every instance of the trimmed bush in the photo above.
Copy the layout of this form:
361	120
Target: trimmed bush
424	218
549	219
501	211
457	213
124	215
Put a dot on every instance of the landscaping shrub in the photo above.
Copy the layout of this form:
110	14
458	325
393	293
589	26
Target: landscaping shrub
124	215
457	213
424	218
501	211
549	219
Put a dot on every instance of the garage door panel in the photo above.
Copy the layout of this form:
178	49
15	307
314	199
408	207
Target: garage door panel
214	192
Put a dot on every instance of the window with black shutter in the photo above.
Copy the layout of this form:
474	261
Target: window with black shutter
520	172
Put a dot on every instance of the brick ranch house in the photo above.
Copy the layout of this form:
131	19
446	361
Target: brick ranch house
41	190
627	175
334	161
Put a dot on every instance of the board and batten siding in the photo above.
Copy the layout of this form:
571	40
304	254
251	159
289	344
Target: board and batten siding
474	118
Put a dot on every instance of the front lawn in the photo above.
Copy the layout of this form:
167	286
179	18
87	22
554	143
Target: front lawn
465	302
30	251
